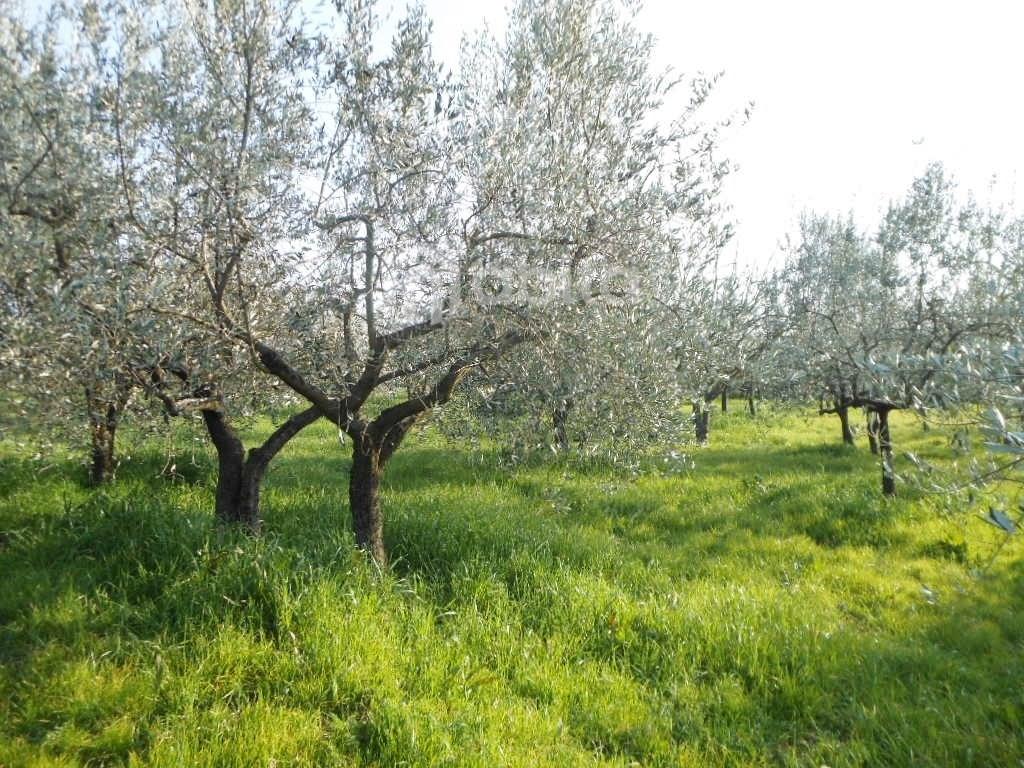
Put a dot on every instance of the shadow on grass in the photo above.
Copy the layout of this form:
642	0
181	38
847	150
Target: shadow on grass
427	527
19	474
142	565
749	460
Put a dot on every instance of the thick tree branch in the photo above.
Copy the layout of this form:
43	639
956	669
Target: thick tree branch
442	391
260	457
277	366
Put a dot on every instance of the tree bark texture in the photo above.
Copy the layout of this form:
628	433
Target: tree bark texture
844	420
364	501
885	447
239	473
701	421
371	451
872	430
104	419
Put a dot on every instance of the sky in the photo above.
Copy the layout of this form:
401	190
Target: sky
852	100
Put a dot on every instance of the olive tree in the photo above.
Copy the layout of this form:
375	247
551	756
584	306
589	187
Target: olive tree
839	293
541	164
447	209
308	212
609	389
70	276
603	375
874	319
724	327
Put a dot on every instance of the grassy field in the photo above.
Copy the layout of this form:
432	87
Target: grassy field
766	607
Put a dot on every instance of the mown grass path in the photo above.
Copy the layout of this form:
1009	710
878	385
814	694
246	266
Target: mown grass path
766	607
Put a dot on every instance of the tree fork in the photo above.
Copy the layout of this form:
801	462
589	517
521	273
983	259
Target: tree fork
240	474
104	419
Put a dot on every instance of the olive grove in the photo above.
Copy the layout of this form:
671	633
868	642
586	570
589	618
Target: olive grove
213	210
892	321
280	205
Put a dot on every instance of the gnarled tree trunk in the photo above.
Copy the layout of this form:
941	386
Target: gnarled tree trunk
104	419
364	501
240	474
844	420
372	448
725	399
230	468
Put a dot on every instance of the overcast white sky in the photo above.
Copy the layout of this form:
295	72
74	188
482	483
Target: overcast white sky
852	99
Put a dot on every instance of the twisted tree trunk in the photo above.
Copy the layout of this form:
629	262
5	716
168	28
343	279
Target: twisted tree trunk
240	474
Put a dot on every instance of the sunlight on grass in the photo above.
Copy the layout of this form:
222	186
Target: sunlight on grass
767	607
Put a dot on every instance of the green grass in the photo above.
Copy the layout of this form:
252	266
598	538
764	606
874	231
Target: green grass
765	608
